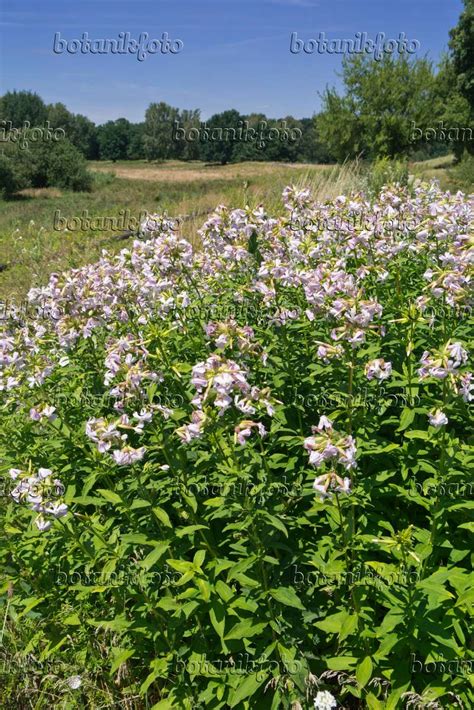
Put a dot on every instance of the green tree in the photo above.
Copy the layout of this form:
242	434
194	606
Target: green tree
186	135
311	148
83	134
79	130
382	100
21	106
114	138
454	112
14	174
60	117
136	149
462	52
222	131
158	131
66	168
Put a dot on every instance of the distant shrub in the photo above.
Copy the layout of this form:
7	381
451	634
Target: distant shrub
8	183
67	168
463	173
103	179
386	172
54	164
13	176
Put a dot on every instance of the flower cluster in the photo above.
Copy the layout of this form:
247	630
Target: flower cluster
45	411
322	270
219	380
244	430
324	700
327	445
445	364
378	369
228	335
42	492
105	434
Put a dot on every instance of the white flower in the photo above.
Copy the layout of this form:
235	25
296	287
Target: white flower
329	482
74	682
438	418
15	472
324	700
128	455
42	524
44	473
378	369
45	412
56	509
324	423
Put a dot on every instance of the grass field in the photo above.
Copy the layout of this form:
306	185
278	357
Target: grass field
32	245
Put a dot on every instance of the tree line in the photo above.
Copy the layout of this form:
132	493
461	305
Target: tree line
399	107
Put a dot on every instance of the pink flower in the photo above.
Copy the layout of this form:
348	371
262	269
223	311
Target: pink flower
188	432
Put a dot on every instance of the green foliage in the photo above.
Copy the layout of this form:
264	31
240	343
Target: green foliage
67	168
114	138
44	164
386	172
13	176
462	50
464	173
221	146
158	130
21	106
210	574
382	99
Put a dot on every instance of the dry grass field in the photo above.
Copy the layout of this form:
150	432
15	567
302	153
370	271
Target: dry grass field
32	245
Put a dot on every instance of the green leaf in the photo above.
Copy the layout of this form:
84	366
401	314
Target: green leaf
373	703
275	522
364	671
348	627
333	623
406	419
417	435
109	495
224	591
190	530
199	558
217	617
246	689
153	557
162	516
341	663
120	656
287	596
245	629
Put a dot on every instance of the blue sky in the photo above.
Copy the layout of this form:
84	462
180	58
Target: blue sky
236	52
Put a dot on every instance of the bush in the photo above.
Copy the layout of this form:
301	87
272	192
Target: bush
463	173
242	477
67	168
44	164
385	171
11	180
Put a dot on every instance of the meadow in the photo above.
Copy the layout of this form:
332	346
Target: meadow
31	247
